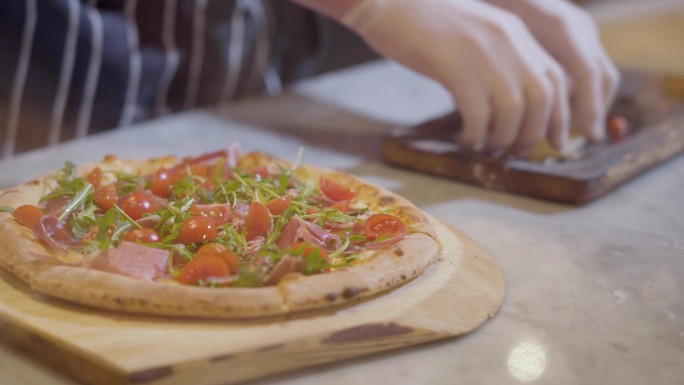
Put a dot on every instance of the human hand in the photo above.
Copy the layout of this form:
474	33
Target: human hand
570	35
510	91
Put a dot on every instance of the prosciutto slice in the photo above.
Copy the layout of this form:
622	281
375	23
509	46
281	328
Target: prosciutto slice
288	264
55	233
297	230
132	260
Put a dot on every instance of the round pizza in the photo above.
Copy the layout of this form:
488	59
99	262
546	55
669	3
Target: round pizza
220	235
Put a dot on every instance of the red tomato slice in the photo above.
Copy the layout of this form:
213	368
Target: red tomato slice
94	177
308	250
203	268
383	225
221	251
335	190
197	229
92	233
258	221
28	215
278	205
105	197
342	206
143	235
220	213
618	127
139	203
161	182
305	249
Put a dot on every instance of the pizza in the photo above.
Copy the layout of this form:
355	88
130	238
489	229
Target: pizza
219	235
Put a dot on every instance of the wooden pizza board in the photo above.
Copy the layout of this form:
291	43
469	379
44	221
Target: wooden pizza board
654	105
455	296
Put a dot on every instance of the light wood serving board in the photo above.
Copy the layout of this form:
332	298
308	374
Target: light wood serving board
455	296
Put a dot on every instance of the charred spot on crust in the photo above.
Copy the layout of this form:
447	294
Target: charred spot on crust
384	201
33	182
399	252
120	300
367	331
403	276
331	297
150	374
350	292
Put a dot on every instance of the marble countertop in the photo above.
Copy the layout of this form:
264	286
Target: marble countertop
594	292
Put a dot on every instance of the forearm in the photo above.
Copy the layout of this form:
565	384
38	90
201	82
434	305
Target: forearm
335	9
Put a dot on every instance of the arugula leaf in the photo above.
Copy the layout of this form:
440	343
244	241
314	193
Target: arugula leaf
77	201
127	217
82	222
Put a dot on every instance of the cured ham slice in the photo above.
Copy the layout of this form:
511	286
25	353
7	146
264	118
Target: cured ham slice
130	259
288	264
297	230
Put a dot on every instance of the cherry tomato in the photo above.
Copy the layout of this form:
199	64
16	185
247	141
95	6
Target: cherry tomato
94	177
161	182
221	251
219	213
278	205
262	172
92	233
383	225
258	221
308	250
335	190
197	229
139	203
105	197
342	206
143	235
618	127
28	215
203	268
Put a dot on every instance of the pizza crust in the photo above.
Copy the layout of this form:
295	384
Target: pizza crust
59	274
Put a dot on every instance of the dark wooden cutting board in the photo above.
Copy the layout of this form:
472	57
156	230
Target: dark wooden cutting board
653	104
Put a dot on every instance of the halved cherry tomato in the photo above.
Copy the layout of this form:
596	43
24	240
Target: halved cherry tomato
161	182
221	251
94	177
219	213
105	197
308	250
618	127
28	215
278	205
143	235
92	233
203	268
258	221
342	206
335	190
197	229
262	172
383	225
139	203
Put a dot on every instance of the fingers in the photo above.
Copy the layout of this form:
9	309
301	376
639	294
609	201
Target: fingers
518	114
477	113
